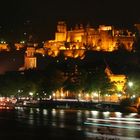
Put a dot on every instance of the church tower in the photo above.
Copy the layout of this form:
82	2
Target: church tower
30	59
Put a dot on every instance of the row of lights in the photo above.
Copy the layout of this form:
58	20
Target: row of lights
62	94
130	84
3	42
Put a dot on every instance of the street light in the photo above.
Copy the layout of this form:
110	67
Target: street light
133	96
31	93
79	95
18	93
130	84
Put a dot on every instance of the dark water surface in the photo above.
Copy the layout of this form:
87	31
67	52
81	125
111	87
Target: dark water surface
51	124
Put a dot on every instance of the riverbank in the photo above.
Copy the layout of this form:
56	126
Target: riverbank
99	106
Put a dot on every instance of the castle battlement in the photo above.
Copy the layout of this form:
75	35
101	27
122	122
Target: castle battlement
103	38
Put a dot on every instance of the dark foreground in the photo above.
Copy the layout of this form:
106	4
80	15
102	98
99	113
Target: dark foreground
51	124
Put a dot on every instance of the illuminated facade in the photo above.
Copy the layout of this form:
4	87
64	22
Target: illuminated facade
118	80
23	45
19	46
104	38
4	47
30	59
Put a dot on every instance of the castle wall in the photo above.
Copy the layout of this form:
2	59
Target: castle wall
75	35
60	36
104	38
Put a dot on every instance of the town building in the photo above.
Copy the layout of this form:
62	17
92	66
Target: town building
4	47
30	59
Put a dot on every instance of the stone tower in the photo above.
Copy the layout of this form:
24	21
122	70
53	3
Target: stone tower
30	59
61	33
61	27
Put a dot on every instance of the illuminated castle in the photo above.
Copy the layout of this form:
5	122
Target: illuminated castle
74	42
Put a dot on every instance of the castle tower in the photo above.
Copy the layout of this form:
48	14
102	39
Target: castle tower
61	33
30	59
61	27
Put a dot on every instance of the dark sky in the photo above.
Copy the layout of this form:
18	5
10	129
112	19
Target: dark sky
39	17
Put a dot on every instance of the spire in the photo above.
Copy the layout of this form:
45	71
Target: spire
108	69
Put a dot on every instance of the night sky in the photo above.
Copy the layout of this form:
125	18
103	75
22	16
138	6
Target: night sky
20	18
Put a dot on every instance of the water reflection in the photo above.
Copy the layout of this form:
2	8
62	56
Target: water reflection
79	116
106	114
87	113
53	112
118	114
95	114
45	112
73	120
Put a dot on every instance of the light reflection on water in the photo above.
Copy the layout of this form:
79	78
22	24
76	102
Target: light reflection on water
61	118
45	112
71	119
87	113
53	112
106	114
79	116
118	114
95	114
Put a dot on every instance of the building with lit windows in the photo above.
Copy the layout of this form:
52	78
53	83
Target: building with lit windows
74	42
4	47
30	59
118	79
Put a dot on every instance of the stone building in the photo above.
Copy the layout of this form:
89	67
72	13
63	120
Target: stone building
30	59
118	79
4	47
103	38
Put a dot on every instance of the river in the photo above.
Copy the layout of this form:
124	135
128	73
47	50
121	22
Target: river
65	124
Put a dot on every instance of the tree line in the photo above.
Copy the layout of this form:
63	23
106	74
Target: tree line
54	78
